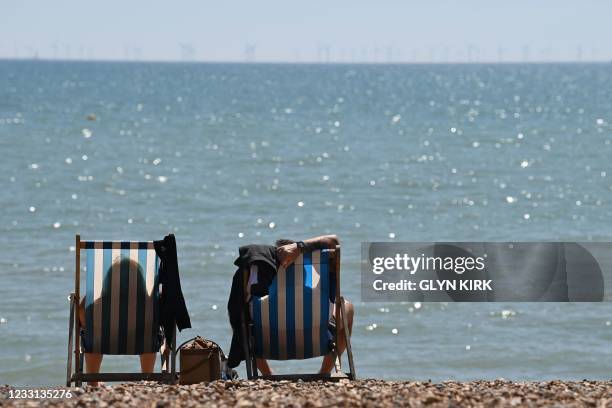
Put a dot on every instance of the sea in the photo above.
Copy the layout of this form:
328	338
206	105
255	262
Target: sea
223	155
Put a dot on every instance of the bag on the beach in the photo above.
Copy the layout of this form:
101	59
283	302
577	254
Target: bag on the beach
200	361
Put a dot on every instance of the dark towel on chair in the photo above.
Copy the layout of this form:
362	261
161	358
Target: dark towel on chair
172	308
265	258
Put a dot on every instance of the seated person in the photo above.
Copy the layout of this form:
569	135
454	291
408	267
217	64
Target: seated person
93	361
286	252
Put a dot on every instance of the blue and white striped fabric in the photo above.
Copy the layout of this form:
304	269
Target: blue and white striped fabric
122	298
292	321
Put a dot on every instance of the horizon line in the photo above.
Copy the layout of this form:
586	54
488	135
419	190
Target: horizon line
311	62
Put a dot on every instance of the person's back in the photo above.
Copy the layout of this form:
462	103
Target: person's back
126	277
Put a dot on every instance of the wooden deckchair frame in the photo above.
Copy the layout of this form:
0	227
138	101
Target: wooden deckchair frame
74	330
248	339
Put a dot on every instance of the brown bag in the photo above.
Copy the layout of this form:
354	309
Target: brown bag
200	361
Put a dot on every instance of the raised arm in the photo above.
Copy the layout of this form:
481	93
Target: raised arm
288	253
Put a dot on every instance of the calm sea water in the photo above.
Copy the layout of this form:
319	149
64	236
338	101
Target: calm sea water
224	155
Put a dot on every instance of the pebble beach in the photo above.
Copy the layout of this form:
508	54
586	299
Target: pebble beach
346	393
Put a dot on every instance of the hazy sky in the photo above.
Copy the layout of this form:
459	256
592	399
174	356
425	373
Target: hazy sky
309	30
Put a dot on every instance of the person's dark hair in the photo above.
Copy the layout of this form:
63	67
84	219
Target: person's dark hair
283	241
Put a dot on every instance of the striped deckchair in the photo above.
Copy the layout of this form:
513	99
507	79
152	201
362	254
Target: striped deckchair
121	308
293	321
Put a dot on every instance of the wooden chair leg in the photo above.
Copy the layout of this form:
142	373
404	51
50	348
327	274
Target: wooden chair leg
252	351
173	352
246	351
77	321
347	337
79	370
70	340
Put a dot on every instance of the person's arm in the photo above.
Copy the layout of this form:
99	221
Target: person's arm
288	253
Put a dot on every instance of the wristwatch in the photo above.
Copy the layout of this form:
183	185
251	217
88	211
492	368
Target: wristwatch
301	245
